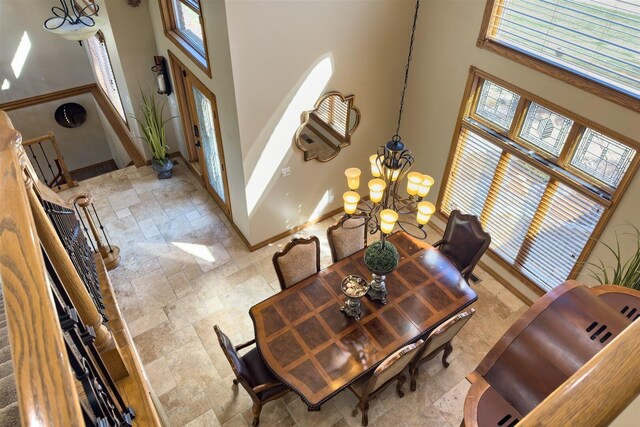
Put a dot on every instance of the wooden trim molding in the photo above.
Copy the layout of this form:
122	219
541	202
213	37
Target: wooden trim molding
169	27
47	97
119	126
581	82
580	400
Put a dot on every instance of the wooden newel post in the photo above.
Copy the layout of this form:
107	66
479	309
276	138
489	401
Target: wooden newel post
77	290
110	253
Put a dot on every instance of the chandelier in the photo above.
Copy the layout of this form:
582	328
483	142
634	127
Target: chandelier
84	23
390	167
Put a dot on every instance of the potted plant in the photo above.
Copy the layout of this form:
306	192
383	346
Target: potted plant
152	125
625	273
381	258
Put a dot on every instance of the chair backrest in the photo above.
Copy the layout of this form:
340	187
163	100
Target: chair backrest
392	366
299	259
347	237
237	364
445	332
464	242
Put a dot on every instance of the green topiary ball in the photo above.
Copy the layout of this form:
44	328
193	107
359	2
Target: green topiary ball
381	260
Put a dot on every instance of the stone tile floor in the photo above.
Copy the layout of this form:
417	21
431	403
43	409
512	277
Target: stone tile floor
184	269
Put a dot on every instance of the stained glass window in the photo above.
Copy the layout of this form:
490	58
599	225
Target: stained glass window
545	129
497	104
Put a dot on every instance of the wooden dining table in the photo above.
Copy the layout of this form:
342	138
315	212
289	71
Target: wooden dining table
315	349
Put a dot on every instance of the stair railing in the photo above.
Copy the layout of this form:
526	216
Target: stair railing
47	394
44	151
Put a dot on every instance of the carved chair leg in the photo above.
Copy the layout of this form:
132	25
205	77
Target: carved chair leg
414	376
401	379
447	351
364	407
257	408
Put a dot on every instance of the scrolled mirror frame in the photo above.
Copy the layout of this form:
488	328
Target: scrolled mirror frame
305	116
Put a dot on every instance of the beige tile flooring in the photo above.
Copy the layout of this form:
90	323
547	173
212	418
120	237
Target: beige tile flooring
184	270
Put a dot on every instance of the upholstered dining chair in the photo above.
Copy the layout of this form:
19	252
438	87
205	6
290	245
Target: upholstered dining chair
252	373
389	371
463	242
299	259
438	340
346	237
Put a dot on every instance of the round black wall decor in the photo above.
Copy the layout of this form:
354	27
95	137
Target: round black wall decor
70	115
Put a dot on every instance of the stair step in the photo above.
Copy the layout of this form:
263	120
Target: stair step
8	394
5	354
10	416
6	369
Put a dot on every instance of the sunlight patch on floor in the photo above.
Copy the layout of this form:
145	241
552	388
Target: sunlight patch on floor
198	251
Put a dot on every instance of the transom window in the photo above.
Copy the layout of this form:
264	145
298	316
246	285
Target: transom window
542	180
103	71
593	44
184	25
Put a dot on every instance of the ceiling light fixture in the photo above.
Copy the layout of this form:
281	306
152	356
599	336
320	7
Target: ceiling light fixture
84	23
390	166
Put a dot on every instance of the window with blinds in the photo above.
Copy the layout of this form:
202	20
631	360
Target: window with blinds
334	112
103	71
184	25
540	181
596	40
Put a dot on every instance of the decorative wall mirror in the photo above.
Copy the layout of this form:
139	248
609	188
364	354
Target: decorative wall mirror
328	127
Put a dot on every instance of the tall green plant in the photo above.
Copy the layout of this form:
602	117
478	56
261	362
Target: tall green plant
625	273
152	125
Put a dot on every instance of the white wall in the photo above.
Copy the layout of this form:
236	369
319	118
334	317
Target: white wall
280	51
82	146
51	63
445	48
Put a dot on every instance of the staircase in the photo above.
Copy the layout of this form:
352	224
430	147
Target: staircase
9	411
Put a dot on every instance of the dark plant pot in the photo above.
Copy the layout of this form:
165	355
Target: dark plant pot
376	257
164	170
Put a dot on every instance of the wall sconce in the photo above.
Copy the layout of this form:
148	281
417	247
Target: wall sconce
162	75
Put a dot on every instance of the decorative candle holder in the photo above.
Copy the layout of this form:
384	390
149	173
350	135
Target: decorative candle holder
354	287
378	290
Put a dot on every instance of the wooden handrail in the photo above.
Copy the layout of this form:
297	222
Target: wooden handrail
59	160
599	391
46	391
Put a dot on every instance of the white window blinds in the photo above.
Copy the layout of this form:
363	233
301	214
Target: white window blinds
334	112
99	58
540	211
596	39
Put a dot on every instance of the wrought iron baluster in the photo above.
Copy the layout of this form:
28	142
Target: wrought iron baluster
104	233
103	398
35	158
53	180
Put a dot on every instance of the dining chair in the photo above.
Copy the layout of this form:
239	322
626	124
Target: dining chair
346	237
463	242
252	373
299	259
391	369
438	340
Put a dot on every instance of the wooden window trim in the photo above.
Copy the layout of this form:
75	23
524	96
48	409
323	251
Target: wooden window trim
169	28
598	89
124	119
467	107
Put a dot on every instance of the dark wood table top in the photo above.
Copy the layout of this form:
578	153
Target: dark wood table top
309	344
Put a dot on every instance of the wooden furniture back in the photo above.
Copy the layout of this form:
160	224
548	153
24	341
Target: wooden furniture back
559	334
314	348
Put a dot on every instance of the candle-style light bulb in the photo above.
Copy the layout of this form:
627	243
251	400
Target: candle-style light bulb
376	189
425	210
388	218
375	166
414	179
353	178
425	185
351	199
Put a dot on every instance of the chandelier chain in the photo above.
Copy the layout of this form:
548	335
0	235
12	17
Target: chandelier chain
406	70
